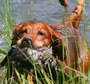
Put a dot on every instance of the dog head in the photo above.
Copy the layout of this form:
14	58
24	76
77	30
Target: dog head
33	38
36	34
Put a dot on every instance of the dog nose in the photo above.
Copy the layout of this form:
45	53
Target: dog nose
27	40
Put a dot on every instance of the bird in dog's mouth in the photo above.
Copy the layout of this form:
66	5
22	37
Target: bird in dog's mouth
32	54
39	56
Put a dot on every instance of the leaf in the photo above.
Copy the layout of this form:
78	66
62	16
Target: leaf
1	13
18	75
3	51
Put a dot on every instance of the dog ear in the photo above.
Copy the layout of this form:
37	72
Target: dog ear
15	36
57	45
55	36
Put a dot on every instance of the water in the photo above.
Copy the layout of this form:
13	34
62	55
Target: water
48	11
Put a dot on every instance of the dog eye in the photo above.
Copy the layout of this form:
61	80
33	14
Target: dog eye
41	33
24	31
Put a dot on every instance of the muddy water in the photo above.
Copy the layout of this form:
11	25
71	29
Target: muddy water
48	11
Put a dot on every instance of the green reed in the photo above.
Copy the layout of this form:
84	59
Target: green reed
47	78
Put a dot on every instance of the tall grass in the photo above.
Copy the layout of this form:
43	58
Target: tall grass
8	20
6	32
